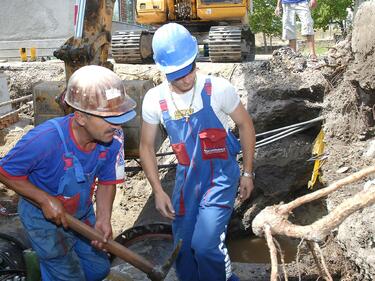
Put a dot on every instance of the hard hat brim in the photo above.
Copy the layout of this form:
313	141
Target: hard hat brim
121	119
179	73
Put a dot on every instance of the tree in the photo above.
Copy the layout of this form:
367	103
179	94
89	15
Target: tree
264	20
332	12
328	12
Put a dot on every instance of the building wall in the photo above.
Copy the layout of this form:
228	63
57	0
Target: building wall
44	24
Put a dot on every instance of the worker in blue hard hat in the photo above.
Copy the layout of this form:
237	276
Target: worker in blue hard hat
194	108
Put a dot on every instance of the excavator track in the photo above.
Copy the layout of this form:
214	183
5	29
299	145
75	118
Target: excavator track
224	44
131	46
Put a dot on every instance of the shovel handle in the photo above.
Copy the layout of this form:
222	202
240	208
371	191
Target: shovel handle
111	246
115	248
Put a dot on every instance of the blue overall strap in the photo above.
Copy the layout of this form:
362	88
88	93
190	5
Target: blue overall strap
76	164
54	122
206	93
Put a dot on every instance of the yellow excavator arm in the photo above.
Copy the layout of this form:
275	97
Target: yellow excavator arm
92	39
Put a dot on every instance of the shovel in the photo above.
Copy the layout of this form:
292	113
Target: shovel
154	272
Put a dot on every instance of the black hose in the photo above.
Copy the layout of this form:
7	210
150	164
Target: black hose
14	240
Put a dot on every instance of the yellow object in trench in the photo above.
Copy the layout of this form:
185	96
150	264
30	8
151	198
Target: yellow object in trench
317	152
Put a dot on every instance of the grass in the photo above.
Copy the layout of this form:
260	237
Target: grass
321	47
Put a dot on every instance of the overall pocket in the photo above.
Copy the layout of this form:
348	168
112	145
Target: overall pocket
180	151
213	144
71	204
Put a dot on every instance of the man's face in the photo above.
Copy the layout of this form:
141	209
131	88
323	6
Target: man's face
97	128
184	83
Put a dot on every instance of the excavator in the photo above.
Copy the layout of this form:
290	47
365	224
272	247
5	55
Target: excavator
220	26
90	46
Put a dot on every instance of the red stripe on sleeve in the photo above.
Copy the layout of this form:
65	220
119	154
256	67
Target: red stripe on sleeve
9	176
111	182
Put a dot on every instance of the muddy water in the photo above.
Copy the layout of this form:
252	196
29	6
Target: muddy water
255	250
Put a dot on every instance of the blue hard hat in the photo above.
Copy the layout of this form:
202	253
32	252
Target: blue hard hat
175	50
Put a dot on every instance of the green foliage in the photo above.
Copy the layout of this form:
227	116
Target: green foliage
263	18
329	11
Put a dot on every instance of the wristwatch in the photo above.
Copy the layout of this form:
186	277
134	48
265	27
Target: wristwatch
248	174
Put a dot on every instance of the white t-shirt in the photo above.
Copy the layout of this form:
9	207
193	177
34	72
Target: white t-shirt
224	100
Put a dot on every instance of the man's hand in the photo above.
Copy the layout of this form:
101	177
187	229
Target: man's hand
54	211
105	228
313	4
164	205
246	187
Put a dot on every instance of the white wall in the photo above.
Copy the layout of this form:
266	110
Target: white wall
44	24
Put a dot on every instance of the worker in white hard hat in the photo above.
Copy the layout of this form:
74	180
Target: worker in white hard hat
59	164
194	108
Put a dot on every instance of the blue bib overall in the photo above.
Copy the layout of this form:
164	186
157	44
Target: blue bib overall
63	254
207	178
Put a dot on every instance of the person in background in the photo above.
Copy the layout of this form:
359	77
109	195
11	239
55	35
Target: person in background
301	8
59	163
194	108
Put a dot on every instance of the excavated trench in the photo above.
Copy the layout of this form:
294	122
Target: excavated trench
278	93
280	164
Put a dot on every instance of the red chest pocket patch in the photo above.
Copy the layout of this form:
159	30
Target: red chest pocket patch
213	144
182	156
70	203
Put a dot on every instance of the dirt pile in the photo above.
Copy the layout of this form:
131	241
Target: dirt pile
23	76
349	127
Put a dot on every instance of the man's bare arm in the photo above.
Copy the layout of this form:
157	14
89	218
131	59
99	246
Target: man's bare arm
247	138
105	195
149	165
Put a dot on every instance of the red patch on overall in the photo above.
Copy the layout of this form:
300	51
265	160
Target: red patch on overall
180	151
70	204
68	162
213	144
163	105
208	88
103	154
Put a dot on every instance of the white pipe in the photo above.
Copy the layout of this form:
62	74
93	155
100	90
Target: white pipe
80	19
